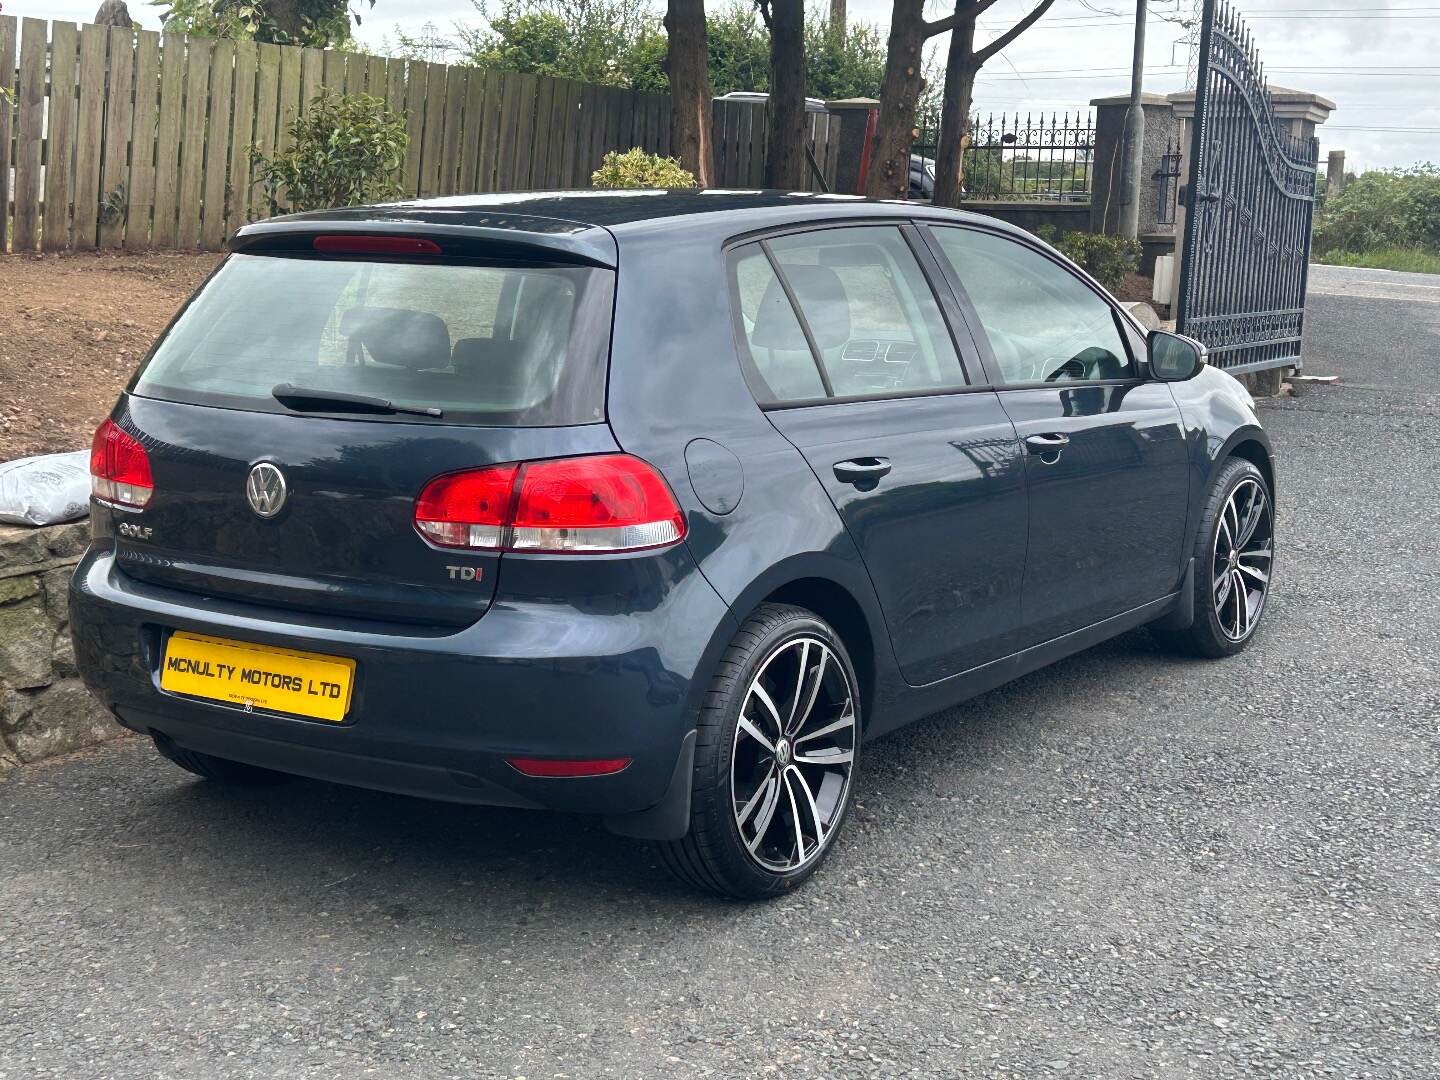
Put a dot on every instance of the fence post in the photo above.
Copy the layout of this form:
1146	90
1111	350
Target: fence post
852	116
7	86
1334	173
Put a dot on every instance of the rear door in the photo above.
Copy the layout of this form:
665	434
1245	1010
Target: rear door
1105	449
479	363
867	382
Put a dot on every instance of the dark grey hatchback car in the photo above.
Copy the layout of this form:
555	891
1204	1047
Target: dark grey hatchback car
649	505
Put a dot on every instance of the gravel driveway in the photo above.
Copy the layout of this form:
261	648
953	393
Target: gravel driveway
1127	865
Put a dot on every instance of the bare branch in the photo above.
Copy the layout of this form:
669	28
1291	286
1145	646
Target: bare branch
982	55
971	11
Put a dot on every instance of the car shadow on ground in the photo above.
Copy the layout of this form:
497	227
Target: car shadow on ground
371	855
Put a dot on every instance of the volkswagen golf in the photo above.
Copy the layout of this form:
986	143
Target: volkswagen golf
654	506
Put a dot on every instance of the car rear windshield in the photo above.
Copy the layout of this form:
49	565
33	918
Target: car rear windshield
495	345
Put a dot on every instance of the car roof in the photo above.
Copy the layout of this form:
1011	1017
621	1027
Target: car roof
613	209
576	221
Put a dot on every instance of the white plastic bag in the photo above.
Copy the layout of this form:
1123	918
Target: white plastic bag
45	490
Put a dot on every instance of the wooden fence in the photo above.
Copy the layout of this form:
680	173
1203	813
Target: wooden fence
738	133
130	139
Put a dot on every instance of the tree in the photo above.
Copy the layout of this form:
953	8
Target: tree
890	149
315	23
344	151
843	62
964	63
739	49
687	65
785	140
889	176
607	42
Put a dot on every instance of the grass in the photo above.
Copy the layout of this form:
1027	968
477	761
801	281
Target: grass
1413	260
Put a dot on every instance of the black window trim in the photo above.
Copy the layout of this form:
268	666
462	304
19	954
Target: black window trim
799	313
925	228
934	271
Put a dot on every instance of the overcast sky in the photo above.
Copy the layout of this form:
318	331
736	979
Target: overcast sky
1378	60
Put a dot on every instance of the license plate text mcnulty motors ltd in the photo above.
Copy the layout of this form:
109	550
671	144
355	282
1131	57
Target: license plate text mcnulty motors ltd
258	676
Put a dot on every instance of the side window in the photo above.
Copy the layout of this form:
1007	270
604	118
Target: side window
1044	323
778	350
870	311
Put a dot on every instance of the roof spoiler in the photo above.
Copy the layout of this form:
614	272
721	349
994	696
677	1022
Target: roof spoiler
518	237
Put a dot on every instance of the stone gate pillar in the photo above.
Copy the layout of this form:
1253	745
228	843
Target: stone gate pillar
1105	180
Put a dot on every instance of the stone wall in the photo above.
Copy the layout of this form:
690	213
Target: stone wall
44	707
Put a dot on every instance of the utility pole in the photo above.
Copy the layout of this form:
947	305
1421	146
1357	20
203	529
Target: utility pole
1133	146
837	18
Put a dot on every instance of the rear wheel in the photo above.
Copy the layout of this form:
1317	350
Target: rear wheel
220	770
775	758
1234	560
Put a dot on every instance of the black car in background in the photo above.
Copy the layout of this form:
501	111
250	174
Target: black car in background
656	506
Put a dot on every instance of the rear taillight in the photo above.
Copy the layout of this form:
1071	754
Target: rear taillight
119	468
609	502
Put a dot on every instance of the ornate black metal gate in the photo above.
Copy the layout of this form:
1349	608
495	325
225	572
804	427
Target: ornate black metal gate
1250	204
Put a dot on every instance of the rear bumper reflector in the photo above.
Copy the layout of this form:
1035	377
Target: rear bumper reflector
560	767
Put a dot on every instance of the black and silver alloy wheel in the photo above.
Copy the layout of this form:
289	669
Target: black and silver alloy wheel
777	746
793	752
1244	551
1234	565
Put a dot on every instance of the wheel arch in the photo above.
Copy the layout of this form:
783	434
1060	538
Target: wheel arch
1250	447
839	592
833	603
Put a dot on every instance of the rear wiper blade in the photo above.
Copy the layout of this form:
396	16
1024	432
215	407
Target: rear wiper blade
305	399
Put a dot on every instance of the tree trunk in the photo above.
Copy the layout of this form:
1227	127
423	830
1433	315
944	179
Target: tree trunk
960	69
785	163
889	176
113	13
837	18
286	18
688	65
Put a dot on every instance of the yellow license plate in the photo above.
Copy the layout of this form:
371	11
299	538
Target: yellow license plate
258	676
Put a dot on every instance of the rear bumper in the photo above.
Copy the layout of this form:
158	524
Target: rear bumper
434	714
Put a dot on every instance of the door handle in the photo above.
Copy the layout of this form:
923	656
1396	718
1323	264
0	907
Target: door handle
1048	446
860	470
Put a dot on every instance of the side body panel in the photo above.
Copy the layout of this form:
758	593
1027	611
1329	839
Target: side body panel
1108	512
1219	416
674	378
942	534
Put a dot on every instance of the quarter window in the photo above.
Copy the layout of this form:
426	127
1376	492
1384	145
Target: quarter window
1044	323
874	323
778	351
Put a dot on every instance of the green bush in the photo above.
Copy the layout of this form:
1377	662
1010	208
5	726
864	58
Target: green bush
345	151
637	169
1104	257
1391	208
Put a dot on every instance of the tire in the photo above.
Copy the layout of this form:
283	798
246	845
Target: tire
1221	628
219	770
771	794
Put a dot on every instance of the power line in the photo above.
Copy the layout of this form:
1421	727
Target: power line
1084	22
1415	130
1162	69
1176	71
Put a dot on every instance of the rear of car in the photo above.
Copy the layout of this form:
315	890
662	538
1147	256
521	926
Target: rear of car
360	516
